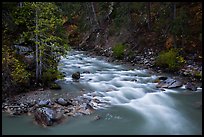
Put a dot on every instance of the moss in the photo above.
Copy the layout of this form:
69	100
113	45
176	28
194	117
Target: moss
119	50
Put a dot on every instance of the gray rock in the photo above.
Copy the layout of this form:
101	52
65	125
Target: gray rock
163	78
88	106
5	107
191	86
25	110
22	105
41	89
44	116
176	84
76	75
47	116
162	89
169	83
45	103
63	102
87	72
58	115
31	104
17	112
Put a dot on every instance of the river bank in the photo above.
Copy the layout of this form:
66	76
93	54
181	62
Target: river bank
190	72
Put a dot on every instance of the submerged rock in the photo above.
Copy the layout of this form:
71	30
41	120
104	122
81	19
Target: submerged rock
198	105
76	75
97	117
87	72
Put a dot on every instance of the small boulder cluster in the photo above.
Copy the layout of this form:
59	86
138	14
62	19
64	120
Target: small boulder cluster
48	112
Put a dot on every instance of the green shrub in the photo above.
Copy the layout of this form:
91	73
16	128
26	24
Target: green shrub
198	74
169	59
15	76
54	86
50	75
19	74
119	50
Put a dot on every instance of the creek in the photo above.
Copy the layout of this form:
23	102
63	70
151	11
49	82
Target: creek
132	104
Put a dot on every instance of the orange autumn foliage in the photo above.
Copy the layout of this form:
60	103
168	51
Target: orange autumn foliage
169	42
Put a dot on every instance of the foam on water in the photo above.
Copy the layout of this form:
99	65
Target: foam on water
115	85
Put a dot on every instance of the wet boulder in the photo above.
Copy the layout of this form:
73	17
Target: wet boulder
62	102
159	79
86	109
169	83
175	84
44	103
87	72
76	75
44	116
17	112
163	78
191	86
58	116
31	103
47	116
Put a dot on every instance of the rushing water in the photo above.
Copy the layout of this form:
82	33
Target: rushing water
133	104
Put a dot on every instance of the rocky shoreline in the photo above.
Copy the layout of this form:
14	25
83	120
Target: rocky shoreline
47	110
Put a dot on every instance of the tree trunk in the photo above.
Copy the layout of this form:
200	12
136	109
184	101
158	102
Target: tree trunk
94	13
88	14
99	34
20	4
40	65
111	8
149	15
36	46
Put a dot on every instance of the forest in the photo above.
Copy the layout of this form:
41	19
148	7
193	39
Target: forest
162	37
